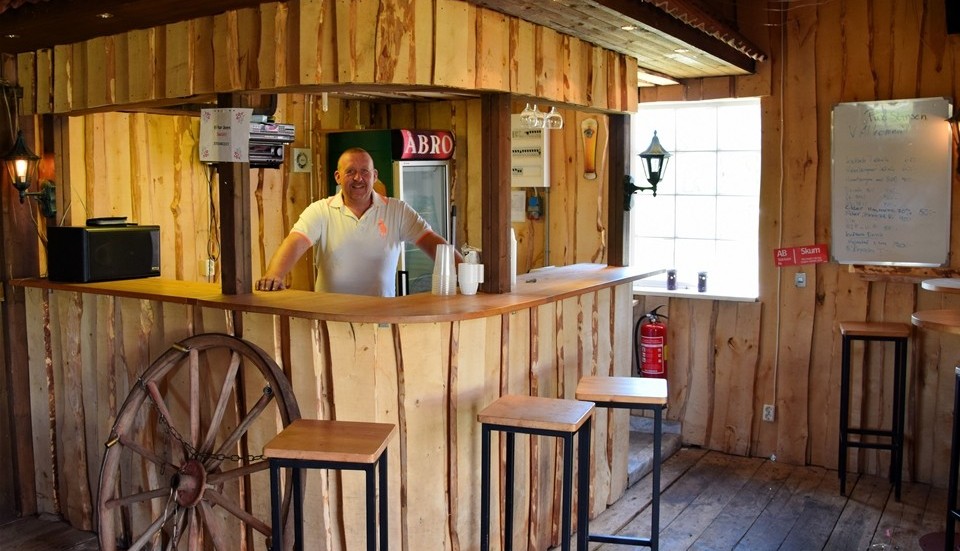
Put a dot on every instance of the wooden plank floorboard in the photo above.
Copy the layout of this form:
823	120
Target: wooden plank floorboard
820	514
637	497
743	510
781	514
903	521
861	515
710	503
44	534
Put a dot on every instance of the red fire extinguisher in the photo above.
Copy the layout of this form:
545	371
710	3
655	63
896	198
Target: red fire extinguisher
652	349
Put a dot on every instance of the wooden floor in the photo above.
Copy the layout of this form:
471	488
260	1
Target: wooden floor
710	501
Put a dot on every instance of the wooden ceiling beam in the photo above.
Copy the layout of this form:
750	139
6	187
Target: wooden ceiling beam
656	19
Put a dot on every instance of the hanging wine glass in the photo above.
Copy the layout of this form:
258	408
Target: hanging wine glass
553	120
529	116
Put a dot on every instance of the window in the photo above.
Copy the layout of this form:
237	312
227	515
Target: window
705	216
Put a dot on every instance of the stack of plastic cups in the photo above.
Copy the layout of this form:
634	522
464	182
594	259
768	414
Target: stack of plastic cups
444	271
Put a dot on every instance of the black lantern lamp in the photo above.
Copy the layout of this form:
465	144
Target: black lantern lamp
655	159
22	166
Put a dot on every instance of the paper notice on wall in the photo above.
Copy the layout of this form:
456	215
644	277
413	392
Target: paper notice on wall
225	135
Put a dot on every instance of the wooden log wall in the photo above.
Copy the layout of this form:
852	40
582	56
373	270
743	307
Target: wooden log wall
87	351
728	359
288	45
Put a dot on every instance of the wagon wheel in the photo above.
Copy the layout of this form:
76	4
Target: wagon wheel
181	469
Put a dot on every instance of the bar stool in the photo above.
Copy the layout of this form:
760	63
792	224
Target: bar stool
318	444
898	333
953	509
534	415
632	393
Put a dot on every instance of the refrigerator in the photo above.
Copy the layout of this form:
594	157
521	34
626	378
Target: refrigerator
415	167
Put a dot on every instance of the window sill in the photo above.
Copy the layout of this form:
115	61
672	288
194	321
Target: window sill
653	290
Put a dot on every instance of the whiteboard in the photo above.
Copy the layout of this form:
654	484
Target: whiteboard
891	176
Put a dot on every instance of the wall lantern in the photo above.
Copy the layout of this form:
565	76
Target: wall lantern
655	159
22	166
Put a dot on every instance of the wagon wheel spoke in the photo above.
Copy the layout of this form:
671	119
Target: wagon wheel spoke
137	498
165	416
229	382
241	429
214	527
152	530
145	453
194	532
217	498
224	476
194	397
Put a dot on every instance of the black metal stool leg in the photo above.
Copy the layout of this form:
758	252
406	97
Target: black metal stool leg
952	511
297	510
384	512
657	462
371	506
583	486
277	530
567	494
485	488
508	499
844	413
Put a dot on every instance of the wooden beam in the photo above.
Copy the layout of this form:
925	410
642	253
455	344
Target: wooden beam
234	179
654	17
495	191
19	257
618	249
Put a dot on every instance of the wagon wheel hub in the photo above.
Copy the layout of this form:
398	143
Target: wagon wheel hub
189	483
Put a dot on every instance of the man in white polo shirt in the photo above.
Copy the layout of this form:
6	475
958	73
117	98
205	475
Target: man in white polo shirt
359	232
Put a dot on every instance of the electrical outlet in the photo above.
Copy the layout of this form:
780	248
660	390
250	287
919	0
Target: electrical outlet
800	279
769	413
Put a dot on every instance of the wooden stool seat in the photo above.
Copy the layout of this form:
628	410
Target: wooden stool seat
319	440
534	412
875	329
320	444
631	393
534	415
899	334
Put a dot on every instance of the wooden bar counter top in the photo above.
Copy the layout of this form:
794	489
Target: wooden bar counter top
532	290
426	364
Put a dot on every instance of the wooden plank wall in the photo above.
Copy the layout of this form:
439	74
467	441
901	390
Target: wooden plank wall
289	45
78	385
729	359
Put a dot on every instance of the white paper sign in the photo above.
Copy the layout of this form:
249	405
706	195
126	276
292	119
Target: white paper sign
225	135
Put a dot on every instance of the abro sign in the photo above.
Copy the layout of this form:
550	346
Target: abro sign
425	144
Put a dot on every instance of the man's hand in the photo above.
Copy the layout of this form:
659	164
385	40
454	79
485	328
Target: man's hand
270	284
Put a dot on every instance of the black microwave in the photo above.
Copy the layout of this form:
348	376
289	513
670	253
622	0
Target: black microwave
81	254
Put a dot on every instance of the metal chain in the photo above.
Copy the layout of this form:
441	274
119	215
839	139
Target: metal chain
194	453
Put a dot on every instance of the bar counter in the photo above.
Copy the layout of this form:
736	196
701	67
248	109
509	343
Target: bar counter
533	289
425	363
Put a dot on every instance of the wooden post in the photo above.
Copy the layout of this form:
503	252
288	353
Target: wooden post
618	251
234	181
19	257
495	191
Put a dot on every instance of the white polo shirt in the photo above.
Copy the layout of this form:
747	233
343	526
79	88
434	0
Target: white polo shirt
359	256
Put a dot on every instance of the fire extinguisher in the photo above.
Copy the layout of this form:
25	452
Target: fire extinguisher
652	350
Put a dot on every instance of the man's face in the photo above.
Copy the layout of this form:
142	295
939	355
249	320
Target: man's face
356	175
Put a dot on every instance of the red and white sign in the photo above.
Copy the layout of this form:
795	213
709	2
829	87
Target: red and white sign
425	144
794	256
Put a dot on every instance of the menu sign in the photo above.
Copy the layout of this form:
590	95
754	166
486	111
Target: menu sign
435	145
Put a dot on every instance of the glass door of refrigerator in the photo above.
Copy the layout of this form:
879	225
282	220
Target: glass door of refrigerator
424	185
